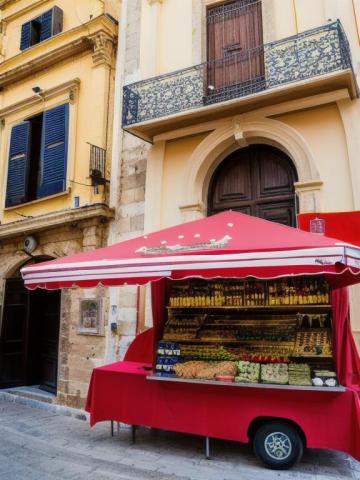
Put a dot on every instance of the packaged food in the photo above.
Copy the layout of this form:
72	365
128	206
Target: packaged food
276	373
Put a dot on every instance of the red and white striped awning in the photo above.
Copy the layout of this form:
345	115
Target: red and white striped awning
228	244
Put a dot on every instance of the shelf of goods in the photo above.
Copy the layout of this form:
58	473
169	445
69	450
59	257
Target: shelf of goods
247	385
275	332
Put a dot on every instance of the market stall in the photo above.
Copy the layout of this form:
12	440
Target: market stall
251	337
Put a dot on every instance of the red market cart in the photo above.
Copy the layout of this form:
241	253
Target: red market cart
280	420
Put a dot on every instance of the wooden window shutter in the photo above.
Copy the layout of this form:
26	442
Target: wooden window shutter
54	145
51	23
25	36
18	169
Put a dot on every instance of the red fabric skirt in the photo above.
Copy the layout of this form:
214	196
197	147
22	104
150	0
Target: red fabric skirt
121	392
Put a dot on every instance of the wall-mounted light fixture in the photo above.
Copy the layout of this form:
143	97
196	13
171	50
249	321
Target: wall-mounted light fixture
38	91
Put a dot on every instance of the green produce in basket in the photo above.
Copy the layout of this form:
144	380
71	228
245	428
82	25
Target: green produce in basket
275	373
248	372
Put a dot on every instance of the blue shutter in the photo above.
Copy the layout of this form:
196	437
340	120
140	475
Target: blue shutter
25	36
46	25
18	169
54	145
51	23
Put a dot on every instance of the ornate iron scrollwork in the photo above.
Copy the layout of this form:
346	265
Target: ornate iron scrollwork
309	54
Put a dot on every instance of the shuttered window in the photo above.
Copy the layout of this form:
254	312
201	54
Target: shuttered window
54	151
19	152
38	157
48	24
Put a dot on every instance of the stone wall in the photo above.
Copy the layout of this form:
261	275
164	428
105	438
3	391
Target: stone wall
130	196
78	353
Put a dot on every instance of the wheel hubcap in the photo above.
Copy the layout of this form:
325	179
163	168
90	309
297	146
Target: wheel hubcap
278	446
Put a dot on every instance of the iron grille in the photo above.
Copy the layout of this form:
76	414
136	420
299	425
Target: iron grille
309	54
97	165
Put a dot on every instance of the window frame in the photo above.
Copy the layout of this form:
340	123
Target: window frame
70	149
57	13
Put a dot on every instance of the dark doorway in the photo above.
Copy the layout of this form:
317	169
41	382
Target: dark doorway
29	337
257	180
235	50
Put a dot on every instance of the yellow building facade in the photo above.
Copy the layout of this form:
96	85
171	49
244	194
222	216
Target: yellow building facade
57	70
247	104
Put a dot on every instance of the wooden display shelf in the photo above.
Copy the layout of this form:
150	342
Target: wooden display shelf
256	307
228	340
338	389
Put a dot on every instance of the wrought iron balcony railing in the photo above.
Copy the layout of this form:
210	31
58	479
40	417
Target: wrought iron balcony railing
310	54
97	166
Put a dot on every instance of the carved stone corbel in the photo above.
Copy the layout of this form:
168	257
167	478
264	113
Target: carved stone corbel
103	45
239	135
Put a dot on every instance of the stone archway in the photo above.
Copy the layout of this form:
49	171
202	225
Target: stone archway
237	133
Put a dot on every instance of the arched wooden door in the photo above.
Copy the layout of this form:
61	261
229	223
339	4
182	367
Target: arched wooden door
257	180
29	336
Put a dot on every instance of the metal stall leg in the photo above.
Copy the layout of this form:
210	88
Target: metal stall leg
133	433
207	448
112	427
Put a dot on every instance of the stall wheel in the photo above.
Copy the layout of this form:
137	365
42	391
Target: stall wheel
278	445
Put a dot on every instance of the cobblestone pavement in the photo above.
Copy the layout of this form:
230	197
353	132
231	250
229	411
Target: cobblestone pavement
39	445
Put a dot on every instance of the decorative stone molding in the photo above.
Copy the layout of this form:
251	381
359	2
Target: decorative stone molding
152	2
70	88
54	220
309	195
29	69
239	134
23	10
218	144
103	45
192	212
60	47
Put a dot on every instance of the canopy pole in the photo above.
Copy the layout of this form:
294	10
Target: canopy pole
133	434
207	448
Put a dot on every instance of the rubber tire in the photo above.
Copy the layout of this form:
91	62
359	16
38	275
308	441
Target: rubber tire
296	442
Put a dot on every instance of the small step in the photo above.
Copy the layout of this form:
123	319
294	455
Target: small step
33	392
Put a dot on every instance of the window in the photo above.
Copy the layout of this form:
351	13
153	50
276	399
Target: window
38	157
45	26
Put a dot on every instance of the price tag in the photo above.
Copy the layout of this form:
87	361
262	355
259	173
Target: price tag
317	225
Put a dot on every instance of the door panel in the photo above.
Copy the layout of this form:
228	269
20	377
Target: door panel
234	45
274	175
45	317
234	184
257	180
13	335
29	337
280	212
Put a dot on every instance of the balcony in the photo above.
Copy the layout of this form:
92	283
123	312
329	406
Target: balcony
310	63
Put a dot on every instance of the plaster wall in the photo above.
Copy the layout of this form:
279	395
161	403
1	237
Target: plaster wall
82	129
323	131
171	35
17	13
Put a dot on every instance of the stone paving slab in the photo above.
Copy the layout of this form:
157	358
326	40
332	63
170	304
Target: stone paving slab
41	445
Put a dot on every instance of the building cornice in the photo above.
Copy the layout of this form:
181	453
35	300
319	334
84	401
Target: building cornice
6	3
97	36
55	219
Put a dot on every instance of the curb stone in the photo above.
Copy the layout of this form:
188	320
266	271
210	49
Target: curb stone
49	407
